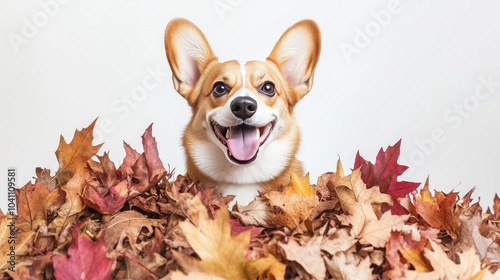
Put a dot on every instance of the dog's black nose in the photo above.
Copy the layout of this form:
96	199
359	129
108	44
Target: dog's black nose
244	107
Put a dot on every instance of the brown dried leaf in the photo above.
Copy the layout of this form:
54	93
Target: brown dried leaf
30	208
13	245
342	267
128	224
352	190
308	256
73	157
368	228
222	254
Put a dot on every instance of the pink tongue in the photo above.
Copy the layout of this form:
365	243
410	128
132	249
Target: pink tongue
244	142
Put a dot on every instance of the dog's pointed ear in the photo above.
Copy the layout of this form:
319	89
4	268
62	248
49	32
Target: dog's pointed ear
188	53
296	54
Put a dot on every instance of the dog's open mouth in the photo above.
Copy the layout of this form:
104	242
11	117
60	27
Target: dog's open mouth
242	141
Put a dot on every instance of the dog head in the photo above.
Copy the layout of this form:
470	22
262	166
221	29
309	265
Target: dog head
242	128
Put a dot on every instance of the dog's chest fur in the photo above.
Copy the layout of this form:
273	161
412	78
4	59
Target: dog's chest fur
243	136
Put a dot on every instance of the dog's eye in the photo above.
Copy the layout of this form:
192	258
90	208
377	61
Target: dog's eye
268	89
220	89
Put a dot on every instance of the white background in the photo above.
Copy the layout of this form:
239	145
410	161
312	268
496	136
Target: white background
64	63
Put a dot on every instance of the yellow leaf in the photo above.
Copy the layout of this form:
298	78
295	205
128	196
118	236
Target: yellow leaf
290	210
300	186
416	258
13	243
222	254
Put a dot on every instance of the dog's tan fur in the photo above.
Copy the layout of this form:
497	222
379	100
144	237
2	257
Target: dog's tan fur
290	67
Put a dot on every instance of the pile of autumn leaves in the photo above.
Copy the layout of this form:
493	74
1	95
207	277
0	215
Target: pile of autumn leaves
91	220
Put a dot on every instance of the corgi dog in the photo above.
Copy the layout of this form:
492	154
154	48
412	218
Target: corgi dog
242	137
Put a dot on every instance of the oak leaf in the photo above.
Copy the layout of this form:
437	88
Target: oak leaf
87	259
128	225
470	235
73	157
148	267
221	253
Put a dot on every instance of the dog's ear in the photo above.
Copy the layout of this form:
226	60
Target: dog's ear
188	53
296	54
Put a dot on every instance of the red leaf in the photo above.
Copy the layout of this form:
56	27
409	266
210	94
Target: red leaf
108	191
131	157
155	166
87	259
139	177
237	227
384	173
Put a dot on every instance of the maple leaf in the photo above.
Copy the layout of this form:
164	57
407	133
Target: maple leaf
437	210
368	228
73	157
342	267
308	256
257	213
294	204
409	243
87	259
384	174
300	186
468	268
221	253
30	208
352	190
340	241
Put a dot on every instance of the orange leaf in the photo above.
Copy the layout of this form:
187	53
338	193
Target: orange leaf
13	244
73	157
222	254
30	208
